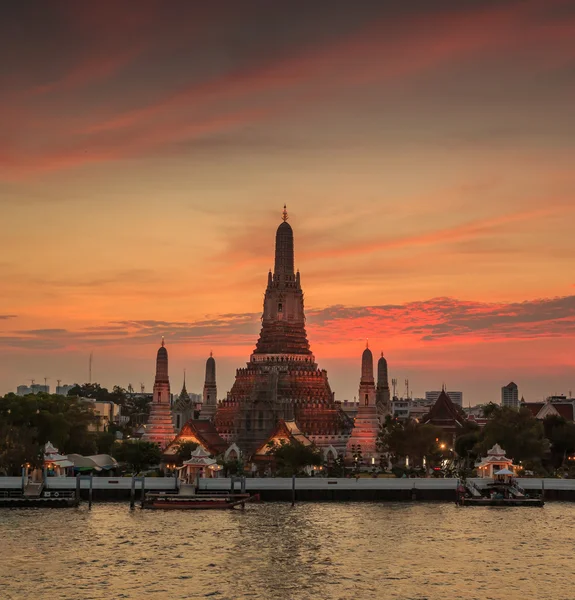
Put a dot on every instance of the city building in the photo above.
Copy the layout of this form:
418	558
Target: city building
107	412
456	397
282	379
382	395
210	395
363	440
63	390
510	396
160	426
35	388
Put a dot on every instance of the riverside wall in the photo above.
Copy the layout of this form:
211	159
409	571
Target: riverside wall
309	489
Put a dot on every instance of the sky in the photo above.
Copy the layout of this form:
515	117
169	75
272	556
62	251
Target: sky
425	152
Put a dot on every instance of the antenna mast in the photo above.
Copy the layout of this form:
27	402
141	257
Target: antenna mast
394	386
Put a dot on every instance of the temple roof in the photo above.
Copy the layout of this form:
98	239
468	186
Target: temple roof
367	365
203	433
444	412
285	430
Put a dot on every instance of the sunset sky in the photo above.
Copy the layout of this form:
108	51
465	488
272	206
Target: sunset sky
425	151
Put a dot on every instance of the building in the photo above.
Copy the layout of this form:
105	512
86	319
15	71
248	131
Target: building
446	415
184	407
282	379
382	395
400	408
510	396
210	395
160	426
559	406
35	388
106	411
63	390
363	440
456	397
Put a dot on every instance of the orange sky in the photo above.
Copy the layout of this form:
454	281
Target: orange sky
425	154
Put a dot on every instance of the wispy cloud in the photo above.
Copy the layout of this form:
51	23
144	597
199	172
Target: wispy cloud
436	320
244	95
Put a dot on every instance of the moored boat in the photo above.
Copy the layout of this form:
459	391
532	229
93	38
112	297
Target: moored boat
197	502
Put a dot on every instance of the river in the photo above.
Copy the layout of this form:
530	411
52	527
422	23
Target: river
268	551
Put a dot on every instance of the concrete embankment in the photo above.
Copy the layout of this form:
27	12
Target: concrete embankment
306	489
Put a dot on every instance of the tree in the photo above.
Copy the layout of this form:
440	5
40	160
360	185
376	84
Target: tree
400	439
184	451
137	454
292	457
561	437
465	447
18	446
64	421
518	432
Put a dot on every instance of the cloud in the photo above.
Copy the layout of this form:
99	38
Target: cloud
6	317
385	51
436	320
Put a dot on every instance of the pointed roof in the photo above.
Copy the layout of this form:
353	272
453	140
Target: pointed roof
203	433
285	430
444	412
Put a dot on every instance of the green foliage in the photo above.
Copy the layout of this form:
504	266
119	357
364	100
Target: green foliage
292	457
466	447
519	433
18	446
409	438
137	454
29	422
184	451
231	467
561	436
105	441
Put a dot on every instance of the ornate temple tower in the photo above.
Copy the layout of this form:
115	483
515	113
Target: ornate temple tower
382	394
160	427
210	396
183	408
282	379
363	439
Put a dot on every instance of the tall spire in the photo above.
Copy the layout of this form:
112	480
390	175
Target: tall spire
284	214
284	262
162	363
163	342
367	366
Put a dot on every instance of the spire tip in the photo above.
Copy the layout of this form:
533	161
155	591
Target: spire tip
284	214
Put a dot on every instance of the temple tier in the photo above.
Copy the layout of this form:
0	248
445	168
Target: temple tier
282	380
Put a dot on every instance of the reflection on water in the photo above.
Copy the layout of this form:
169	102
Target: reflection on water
351	551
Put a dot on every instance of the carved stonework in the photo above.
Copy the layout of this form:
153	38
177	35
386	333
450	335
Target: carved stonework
282	380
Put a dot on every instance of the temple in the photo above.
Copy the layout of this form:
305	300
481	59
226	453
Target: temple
160	428
210	396
382	395
362	444
184	408
282	381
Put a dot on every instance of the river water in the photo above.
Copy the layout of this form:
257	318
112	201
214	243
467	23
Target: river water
268	551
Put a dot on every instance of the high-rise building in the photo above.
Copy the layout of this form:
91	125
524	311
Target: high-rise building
282	381
363	440
35	388
63	389
382	394
210	395
160	427
510	396
455	397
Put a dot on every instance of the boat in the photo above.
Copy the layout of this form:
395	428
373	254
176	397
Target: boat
197	501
